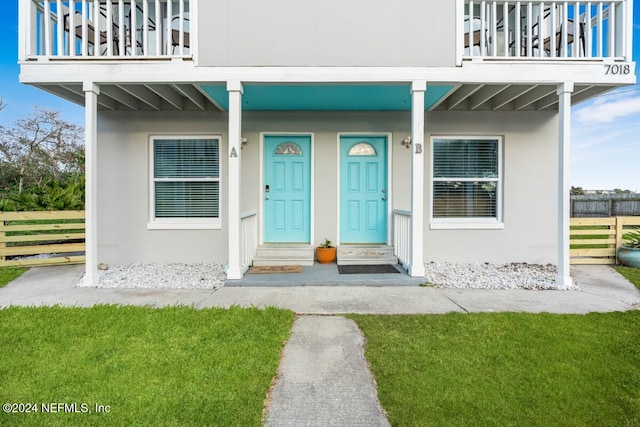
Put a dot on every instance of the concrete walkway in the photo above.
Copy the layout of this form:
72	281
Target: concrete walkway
323	377
603	290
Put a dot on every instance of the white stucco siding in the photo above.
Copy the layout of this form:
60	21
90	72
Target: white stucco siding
326	33
123	190
529	162
123	181
529	190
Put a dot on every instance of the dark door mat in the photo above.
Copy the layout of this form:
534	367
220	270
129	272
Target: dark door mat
367	269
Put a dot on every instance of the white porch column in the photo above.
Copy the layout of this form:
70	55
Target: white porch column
418	88
234	270
564	200
91	92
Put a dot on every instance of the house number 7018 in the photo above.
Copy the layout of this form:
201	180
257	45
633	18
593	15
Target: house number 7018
617	69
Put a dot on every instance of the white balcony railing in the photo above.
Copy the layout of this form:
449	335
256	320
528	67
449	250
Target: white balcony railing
402	236
248	238
546	30
105	28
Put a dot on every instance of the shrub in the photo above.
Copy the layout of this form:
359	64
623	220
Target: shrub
54	195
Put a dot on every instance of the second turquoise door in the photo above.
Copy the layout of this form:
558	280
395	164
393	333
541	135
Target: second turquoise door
287	188
363	189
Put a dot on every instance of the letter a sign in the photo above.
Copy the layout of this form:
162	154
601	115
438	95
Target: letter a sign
234	153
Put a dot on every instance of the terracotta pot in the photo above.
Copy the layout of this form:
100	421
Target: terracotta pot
629	256
326	255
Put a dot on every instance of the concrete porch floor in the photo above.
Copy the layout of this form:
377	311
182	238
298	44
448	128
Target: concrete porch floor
326	275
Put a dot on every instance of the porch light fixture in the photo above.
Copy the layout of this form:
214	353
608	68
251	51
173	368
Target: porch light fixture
406	142
243	142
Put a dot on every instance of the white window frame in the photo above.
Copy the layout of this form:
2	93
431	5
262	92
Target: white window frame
183	223
461	223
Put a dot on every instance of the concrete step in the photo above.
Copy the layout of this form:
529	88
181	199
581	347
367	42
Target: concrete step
273	254
365	254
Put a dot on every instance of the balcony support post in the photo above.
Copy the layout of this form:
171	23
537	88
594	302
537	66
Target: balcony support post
563	280
91	92
26	24
627	30
235	89
418	89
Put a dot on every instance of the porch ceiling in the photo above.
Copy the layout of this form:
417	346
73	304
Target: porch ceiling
324	97
327	97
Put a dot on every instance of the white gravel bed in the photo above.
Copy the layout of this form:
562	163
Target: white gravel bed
163	276
30	257
492	276
445	275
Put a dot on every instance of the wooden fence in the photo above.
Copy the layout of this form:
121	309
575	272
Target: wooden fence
56	236
59	237
596	240
605	205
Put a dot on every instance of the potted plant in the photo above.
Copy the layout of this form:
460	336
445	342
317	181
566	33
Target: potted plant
326	253
629	252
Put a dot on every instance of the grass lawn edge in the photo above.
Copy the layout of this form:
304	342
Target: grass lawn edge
9	274
630	273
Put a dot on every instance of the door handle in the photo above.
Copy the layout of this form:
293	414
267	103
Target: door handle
384	198
266	197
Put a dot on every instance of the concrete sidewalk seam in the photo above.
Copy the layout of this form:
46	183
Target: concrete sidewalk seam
459	305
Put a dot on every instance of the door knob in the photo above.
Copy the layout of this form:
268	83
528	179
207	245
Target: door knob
266	197
384	198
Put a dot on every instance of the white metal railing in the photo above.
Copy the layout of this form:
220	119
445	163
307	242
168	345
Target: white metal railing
248	238
548	30
105	28
402	236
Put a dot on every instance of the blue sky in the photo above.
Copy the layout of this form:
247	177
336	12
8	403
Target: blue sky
605	146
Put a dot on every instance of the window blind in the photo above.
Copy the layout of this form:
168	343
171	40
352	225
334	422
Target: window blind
187	158
186	178
465	159
187	199
466	177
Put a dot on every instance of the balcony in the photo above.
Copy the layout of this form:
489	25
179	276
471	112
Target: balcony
487	29
537	30
501	55
109	29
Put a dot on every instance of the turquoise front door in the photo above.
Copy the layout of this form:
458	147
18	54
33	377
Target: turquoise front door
287	188
363	189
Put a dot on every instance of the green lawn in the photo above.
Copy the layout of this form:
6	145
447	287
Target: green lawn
632	274
8	274
506	369
170	367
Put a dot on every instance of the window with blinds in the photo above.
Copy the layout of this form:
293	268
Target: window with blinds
466	178
186	178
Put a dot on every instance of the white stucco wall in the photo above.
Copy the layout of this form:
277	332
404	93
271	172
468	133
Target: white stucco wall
326	33
530	159
123	191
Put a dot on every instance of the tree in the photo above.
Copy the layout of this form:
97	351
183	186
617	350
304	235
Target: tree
576	190
620	191
38	149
